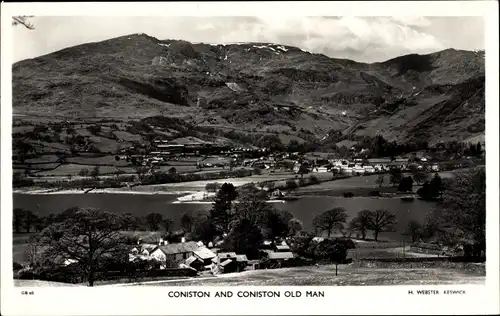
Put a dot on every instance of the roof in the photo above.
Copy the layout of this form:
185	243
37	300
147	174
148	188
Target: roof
280	255
182	247
241	258
190	260
227	255
282	247
204	253
318	239
379	160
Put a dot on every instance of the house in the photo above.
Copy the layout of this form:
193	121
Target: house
318	239
228	266
195	263
225	255
320	169
230	262
282	248
280	256
205	255
378	161
175	252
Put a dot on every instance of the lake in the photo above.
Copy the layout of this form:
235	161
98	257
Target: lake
303	209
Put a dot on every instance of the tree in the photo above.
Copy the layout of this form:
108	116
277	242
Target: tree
270	186
88	238
187	222
167	224
84	172
95	172
33	251
431	190
313	179
203	228
172	171
252	206
154	221
23	20
294	226
303	170
129	222
335	172
405	184
141	171
463	209
277	223
414	230
333	250
419	176
331	219
212	187
245	238
291	184
94	129
381	220
396	176
18	216
30	219
380	180
362	222
257	170
221	213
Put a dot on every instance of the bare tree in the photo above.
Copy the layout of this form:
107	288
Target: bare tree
23	20
381	220
187	222
380	180
87	237
414	230
33	251
361	222
330	220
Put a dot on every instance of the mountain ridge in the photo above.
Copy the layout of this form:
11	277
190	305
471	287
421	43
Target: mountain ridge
263	87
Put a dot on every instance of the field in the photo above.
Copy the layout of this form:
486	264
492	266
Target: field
350	275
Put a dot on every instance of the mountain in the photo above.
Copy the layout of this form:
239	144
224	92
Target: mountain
258	87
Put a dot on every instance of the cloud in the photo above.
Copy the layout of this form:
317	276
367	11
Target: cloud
366	39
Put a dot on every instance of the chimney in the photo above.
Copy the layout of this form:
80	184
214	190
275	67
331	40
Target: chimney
183	239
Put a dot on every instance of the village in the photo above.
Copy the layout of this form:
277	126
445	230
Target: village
263	158
209	259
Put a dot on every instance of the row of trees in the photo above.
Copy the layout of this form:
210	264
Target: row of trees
26	221
335	219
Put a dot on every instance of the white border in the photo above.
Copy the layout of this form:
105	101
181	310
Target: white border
339	300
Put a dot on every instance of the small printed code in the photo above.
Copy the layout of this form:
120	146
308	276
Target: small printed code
27	292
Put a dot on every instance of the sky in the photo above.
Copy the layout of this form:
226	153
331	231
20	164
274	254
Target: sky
364	39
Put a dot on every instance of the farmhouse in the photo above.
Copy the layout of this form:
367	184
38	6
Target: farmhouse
175	252
205	255
195	263
279	256
282	248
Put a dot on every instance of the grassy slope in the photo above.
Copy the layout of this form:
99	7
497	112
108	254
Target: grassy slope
347	275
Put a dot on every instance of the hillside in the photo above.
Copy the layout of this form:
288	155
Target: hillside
255	87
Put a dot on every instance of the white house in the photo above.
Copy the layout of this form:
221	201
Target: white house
175	252
320	169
